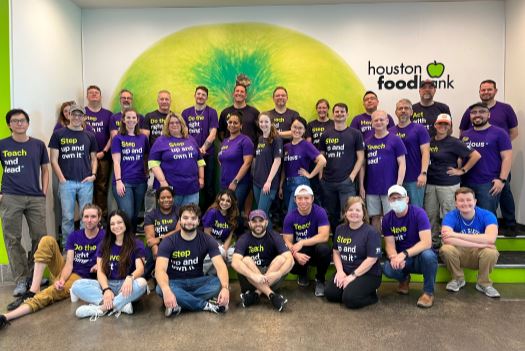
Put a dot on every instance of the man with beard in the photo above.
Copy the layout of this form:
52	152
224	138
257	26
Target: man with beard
363	122
126	101
282	117
262	260
488	176
426	110
178	270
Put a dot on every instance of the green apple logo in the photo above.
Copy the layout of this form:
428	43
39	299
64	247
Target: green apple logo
214	55
435	69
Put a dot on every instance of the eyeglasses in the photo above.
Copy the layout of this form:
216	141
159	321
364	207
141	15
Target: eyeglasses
18	121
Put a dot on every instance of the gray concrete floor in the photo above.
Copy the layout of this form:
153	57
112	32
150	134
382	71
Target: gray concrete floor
464	321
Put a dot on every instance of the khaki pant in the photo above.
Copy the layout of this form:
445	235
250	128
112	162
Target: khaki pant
12	209
457	258
49	253
439	200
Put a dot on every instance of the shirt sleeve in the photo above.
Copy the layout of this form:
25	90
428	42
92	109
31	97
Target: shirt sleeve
465	120
373	243
214	119
213	246
288	224
277	146
207	219
116	145
140	252
44	157
166	247
247	147
384	225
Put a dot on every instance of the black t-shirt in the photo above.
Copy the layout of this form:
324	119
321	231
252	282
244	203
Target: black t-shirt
283	121
340	149
355	246
186	257
261	250
444	154
74	149
249	121
22	164
265	154
162	223
427	115
154	122
315	130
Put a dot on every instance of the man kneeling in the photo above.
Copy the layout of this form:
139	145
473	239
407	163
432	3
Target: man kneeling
262	260
178	270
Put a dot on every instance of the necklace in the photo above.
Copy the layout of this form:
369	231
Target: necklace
467	224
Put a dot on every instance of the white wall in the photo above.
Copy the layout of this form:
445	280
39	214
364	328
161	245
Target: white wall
514	78
46	63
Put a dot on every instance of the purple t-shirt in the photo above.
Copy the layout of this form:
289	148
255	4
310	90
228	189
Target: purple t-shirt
444	153
84	251
179	159
114	121
356	245
199	124
132	150
304	227
261	250
406	229
99	121
22	164
154	122
249	121
501	115
265	154
220	229
489	143
414	135
339	148
114	259
161	222
74	152
186	257
231	158
316	128
363	123
298	156
283	121
381	162
427	115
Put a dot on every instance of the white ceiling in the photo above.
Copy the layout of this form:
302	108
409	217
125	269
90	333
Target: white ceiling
221	3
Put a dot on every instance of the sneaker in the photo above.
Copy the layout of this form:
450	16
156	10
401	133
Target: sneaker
404	287
249	298
303	280
319	288
454	285
172	311
490	291
20	289
19	300
425	301
92	311
278	301
3	322
127	309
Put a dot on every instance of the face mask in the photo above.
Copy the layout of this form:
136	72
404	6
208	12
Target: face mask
399	206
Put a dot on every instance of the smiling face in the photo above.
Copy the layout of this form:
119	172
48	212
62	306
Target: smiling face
322	110
265	123
403	112
201	97
340	114
479	116
427	92
234	125
304	202
166	201
379	121
189	221
355	214
370	103
117	225
280	98
298	130
225	202
239	94
130	120
442	129
164	102
126	100
487	92
465	203
258	226
75	119
175	126
90	218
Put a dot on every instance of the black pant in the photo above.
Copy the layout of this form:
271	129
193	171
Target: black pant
359	293
320	256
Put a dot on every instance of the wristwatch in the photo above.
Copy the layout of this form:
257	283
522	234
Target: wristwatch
502	180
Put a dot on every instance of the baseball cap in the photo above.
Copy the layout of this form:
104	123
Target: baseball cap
303	188
77	108
479	104
257	213
397	189
444	118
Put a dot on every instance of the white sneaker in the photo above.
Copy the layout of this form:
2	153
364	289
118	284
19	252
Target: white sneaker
127	309
92	311
454	285
490	291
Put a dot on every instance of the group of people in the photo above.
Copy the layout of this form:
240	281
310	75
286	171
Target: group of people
161	163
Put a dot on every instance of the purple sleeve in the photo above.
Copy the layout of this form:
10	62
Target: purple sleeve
322	217
213	246
140	252
355	123
165	247
390	122
422	220
93	147
512	119
148	218
115	145
69	244
207	219
247	147
288	224
214	119
504	142
113	122
311	150
399	147
155	153
54	142
465	120
146	144
99	250
424	137
240	245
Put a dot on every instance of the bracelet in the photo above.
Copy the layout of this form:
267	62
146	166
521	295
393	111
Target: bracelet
464	170
104	290
225	287
118	180
406	254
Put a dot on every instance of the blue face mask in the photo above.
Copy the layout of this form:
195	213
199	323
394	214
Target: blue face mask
399	206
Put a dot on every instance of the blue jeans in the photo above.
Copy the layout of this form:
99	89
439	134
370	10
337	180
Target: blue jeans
289	188
425	263
193	294
485	200
416	194
334	199
90	291
69	192
132	201
263	201
241	193
181	200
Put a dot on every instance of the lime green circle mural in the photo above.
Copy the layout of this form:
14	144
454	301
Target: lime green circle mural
214	55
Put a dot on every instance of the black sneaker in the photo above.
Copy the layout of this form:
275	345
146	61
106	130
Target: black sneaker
303	280
3	322
249	298
18	301
278	301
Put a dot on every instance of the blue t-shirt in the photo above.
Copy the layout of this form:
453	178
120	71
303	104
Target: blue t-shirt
477	225
84	251
304	227
261	250
186	257
21	163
